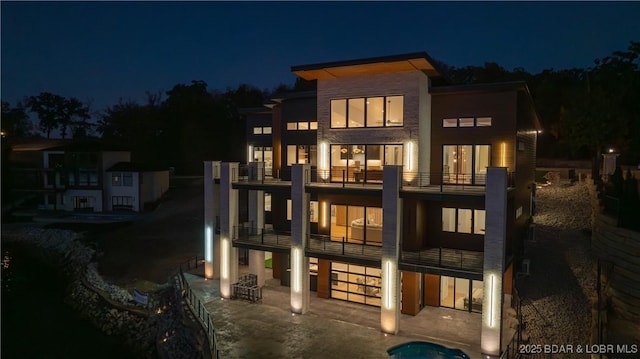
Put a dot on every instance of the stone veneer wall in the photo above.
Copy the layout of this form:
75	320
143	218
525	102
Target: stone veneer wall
413	85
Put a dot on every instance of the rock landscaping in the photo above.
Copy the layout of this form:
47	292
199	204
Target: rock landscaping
158	329
558	294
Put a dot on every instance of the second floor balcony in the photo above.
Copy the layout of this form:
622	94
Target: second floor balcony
344	249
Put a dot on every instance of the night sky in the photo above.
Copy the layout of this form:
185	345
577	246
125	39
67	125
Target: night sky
101	52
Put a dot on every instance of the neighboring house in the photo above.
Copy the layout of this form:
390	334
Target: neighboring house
133	185
422	241
72	175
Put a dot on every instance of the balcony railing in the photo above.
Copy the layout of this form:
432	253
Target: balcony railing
445	258
440	181
261	236
341	246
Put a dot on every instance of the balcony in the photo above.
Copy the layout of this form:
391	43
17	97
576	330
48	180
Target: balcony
324	246
261	239
317	245
445	258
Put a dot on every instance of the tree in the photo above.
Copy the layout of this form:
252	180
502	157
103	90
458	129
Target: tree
57	112
49	108
15	121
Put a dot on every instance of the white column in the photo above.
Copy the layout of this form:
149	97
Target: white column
300	176
494	257
256	219
211	211
391	220
228	224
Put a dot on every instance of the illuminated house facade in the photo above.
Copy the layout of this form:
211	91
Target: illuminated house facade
381	189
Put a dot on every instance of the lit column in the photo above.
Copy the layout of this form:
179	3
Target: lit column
228	224
256	219
300	176
494	257
391	219
323	165
211	211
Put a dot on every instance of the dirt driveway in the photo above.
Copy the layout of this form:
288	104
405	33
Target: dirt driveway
151	248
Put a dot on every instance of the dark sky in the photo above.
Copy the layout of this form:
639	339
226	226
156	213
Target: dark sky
104	51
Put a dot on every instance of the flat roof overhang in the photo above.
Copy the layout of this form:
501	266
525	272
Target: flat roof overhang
417	61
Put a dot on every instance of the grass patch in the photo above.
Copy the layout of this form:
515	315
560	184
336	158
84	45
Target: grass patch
268	263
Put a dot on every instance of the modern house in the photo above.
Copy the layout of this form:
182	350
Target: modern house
87	176
381	189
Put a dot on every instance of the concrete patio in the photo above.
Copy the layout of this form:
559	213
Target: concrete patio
331	328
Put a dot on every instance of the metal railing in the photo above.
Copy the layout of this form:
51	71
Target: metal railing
445	258
343	246
261	236
198	309
342	177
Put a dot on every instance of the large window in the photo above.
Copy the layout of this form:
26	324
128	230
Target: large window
461	293
358	163
121	202
264	154
465	164
301	154
356	224
356	283
367	112
463	220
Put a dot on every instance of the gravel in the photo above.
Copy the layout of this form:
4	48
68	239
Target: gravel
557	296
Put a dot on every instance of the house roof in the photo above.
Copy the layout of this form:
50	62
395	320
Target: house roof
135	167
85	145
281	96
255	110
368	66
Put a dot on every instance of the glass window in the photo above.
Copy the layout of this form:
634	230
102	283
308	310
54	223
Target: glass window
116	179
257	130
466	122
127	179
356	112
395	108
393	155
338	113
313	155
266	130
302	154
447	285
483	121
478	221
462	294
464	220
313	125
482	161
291	155
303	125
313	211
292	125
476	295
450	122
375	112
288	210
267	202
449	219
